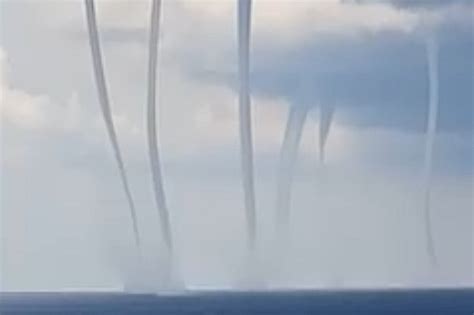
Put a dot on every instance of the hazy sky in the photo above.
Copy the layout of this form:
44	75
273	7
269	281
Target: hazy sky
358	222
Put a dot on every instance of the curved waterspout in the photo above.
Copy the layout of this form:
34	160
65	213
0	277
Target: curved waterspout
153	151
288	155
106	112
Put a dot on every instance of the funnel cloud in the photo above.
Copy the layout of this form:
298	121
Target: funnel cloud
325	119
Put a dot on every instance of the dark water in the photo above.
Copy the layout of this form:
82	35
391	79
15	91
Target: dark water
406	302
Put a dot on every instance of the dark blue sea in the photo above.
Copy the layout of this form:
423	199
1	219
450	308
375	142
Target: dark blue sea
390	302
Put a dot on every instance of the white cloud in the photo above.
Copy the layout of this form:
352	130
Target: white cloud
17	106
35	111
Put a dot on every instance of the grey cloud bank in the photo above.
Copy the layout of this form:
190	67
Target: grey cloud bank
377	80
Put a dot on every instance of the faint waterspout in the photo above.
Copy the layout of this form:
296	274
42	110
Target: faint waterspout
432	60
325	120
286	170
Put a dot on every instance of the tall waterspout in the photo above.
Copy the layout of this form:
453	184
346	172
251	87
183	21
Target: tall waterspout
245	119
106	112
432	60
153	151
288	155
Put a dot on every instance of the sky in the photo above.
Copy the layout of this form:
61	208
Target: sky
356	222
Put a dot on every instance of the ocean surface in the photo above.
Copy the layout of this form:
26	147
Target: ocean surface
406	302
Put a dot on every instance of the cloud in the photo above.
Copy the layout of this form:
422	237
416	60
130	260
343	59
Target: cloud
359	56
294	22
367	59
190	28
374	80
30	111
274	18
432	4
430	14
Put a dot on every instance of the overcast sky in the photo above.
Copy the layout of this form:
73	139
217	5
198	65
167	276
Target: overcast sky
358	222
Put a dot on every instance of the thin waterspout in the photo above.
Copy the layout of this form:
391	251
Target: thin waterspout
432	59
244	18
106	113
153	150
288	155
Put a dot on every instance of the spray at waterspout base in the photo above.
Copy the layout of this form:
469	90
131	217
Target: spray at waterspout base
151	275
251	275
